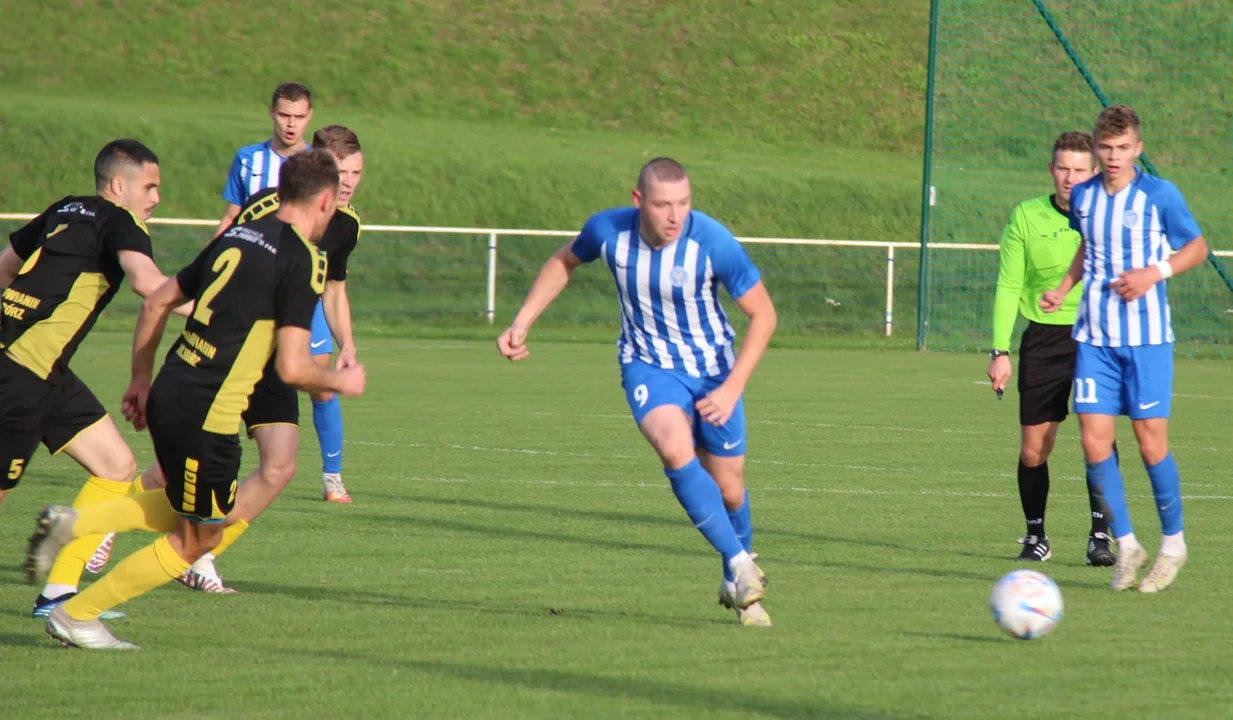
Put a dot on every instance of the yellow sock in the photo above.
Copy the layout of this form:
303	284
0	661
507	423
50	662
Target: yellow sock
148	511
150	567
230	535
73	557
136	488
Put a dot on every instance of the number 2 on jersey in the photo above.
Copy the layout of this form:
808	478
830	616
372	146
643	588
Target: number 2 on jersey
225	265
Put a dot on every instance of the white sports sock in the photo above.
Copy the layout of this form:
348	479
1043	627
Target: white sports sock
205	565
52	591
738	559
730	587
1174	545
1128	542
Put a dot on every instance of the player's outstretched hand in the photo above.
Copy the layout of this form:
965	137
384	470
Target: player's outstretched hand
352	380
718	404
513	343
1134	284
133	404
1051	300
999	372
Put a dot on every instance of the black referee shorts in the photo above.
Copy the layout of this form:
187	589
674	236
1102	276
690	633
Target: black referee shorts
1046	373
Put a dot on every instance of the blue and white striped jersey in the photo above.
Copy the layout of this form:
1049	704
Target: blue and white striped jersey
670	311
1121	232
254	169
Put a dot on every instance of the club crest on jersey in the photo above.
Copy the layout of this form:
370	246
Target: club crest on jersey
679	276
1130	219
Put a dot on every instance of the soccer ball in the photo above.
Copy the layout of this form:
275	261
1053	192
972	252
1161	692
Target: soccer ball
1026	604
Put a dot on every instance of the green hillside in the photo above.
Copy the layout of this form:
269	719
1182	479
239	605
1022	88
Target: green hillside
526	115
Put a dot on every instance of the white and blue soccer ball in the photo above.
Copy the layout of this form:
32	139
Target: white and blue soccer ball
1026	604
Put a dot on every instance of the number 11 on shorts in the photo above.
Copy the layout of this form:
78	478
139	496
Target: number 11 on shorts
1085	391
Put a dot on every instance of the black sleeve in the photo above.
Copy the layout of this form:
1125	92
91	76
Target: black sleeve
301	280
124	231
26	240
342	236
189	278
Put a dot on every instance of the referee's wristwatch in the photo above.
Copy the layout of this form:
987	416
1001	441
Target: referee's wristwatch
995	354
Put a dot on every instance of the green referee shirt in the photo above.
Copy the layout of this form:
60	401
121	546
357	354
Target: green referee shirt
1037	248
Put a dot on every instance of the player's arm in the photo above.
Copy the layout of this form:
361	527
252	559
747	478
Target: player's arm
551	280
335	302
233	193
1184	237
1051	300
22	243
1011	269
337	308
300	284
151	322
145	278
10	264
743	281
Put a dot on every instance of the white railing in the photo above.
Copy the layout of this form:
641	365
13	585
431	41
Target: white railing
495	233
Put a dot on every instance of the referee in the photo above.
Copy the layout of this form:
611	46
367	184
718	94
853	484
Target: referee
1037	247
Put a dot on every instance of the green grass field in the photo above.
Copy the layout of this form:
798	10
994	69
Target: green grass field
515	552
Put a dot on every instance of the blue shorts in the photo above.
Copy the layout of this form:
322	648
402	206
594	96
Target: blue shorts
648	387
322	342
1133	381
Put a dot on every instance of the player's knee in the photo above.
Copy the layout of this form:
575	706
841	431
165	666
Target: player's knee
278	472
1034	454
1154	451
734	493
122	468
321	397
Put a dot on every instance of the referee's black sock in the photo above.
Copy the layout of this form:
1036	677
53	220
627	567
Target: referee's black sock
1033	494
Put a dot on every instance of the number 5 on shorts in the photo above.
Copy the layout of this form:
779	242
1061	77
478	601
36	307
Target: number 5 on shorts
1085	391
641	394
16	468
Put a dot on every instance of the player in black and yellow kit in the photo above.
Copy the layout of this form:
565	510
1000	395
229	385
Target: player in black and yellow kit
58	274
273	413
254	289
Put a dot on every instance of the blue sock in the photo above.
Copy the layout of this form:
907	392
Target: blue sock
699	495
327	418
1105	480
1167	487
742	524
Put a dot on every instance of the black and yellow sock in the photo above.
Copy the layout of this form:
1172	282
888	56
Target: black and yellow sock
150	567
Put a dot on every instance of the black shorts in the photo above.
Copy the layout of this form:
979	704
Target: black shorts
33	410
202	468
273	402
1046	373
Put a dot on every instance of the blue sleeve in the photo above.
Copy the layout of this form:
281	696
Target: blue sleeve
732	264
233	192
589	241
1179	225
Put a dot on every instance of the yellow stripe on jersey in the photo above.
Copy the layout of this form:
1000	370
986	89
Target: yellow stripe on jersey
246	370
260	210
42	344
140	223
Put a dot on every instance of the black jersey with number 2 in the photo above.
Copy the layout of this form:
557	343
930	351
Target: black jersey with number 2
341	235
252	280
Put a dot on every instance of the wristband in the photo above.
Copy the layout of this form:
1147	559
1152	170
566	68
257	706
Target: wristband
1166	270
